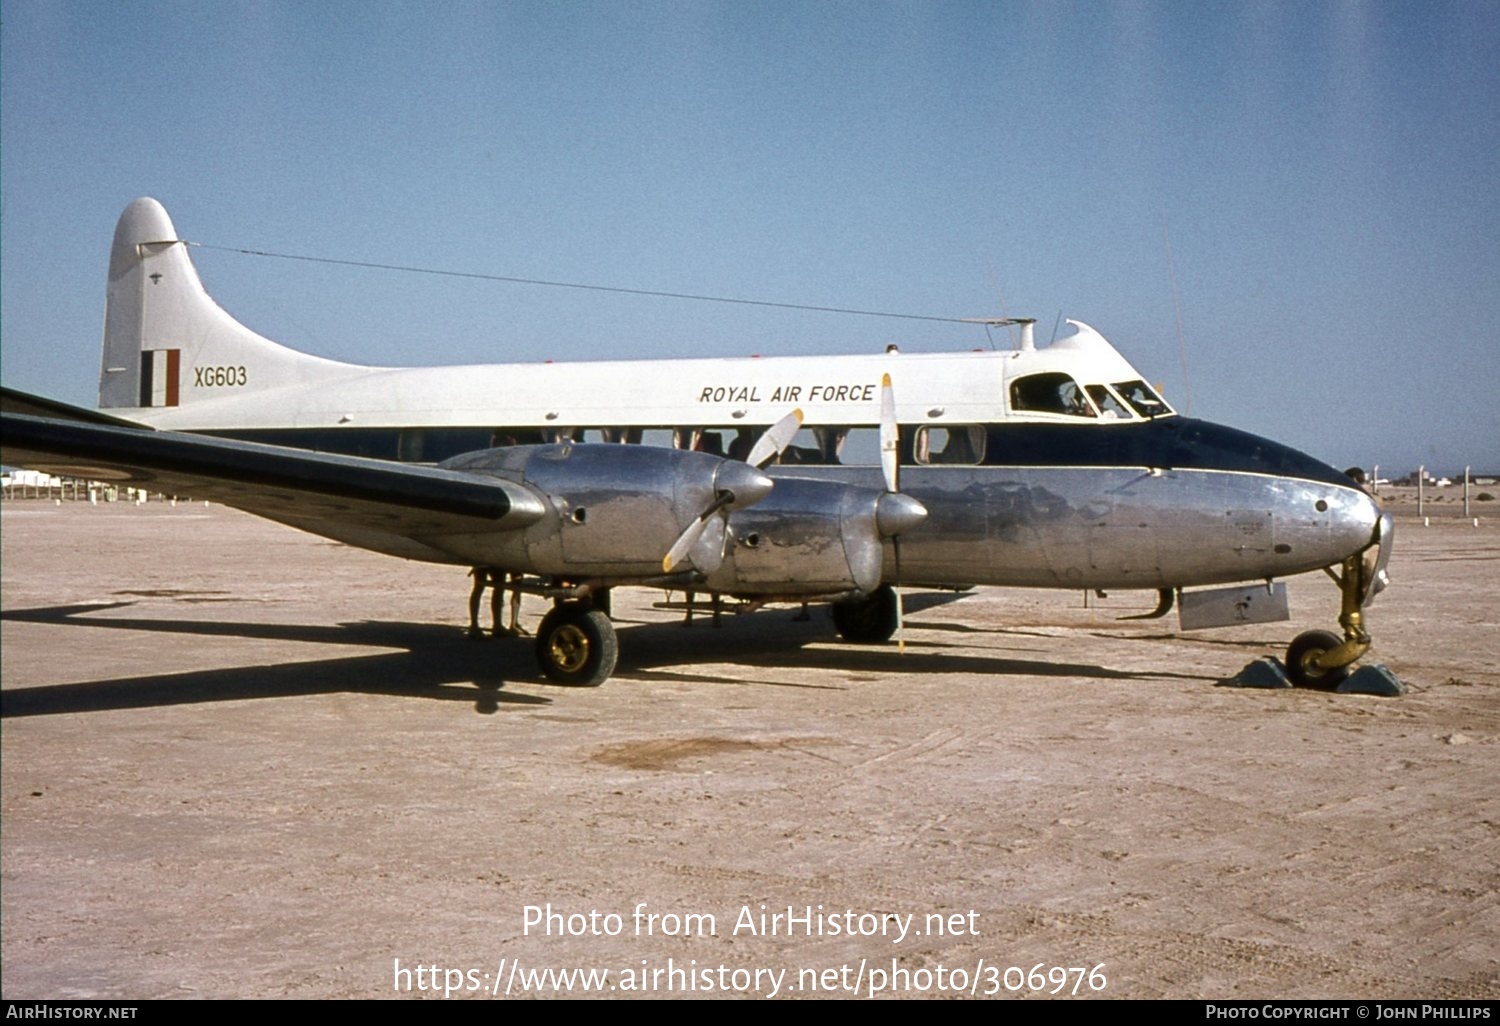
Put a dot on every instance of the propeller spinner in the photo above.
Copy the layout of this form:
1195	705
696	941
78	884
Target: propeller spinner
736	485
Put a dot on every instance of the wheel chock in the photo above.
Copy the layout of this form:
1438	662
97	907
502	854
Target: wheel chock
1265	672
1373	680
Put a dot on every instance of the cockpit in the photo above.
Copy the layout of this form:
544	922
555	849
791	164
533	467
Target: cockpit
1056	392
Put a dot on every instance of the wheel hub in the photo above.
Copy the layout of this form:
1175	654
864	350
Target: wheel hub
569	648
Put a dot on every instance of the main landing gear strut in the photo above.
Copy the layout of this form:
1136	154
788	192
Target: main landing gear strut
1321	659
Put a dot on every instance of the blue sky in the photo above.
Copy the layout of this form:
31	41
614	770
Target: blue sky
1323	174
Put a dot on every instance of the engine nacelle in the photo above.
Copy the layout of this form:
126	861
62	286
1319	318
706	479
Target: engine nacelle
812	537
615	510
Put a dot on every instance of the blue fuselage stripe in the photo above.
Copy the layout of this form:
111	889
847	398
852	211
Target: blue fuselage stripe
1166	443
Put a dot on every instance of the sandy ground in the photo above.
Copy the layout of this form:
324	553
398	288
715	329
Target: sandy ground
239	761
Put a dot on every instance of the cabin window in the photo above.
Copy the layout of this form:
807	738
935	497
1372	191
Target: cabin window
814	447
831	442
860	447
848	446
827	446
1050	393
411	444
503	437
1143	399
711	442
742	442
835	446
628	436
433	445
831	445
949	446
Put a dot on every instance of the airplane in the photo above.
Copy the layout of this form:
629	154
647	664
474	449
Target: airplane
820	478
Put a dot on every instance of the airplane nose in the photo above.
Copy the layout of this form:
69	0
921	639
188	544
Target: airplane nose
745	483
1377	556
1361	526
1355	518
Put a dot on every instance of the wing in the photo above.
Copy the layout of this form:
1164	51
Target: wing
12	401
390	507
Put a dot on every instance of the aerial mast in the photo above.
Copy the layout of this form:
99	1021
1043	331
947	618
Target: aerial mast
1028	328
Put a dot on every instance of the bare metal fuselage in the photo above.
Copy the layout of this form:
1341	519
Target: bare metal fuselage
1031	526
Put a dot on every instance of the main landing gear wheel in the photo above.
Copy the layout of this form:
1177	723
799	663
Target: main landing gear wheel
1301	661
868	621
577	645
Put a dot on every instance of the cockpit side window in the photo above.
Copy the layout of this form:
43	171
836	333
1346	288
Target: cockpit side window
1143	399
1050	393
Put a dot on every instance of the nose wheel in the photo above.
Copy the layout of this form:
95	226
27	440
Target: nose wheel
1305	655
576	645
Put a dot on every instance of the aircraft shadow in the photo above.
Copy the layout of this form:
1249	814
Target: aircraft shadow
771	639
436	662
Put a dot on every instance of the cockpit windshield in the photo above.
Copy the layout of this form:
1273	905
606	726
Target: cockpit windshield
1054	392
1110	408
1143	399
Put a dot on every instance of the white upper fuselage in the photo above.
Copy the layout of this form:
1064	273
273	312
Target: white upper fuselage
952	388
174	359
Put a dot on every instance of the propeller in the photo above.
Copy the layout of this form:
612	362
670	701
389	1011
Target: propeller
736	485
697	529
894	512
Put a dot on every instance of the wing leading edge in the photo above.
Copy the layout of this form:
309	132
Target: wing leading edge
13	401
396	508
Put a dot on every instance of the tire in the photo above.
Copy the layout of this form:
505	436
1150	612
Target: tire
868	621
577	646
1300	654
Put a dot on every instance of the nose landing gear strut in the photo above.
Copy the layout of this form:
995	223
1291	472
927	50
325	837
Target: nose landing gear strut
1321	659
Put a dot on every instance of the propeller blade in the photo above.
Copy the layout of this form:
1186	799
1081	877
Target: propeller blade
685	542
708	551
775	440
890	436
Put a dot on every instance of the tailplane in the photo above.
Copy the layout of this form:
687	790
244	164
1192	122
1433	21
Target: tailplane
166	342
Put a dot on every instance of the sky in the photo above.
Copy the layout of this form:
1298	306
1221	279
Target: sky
1287	214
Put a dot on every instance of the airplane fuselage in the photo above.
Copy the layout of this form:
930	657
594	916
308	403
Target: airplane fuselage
1054	467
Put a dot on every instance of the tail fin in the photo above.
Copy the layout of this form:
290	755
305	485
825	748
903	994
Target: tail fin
166	342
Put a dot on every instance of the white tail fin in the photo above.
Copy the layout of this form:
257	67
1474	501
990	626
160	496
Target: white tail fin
166	342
